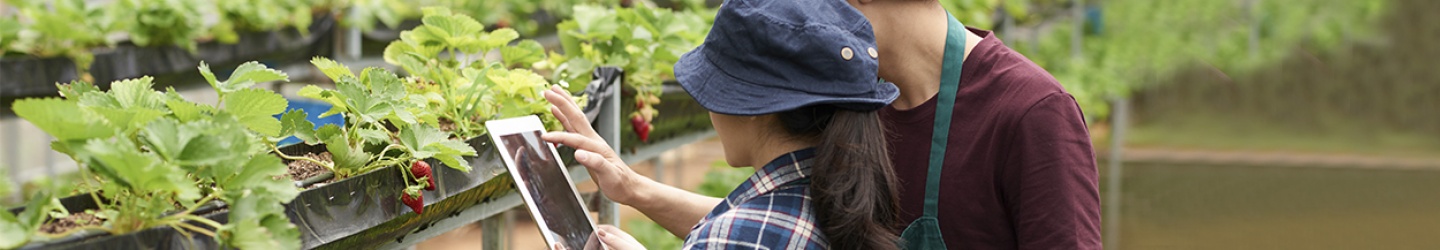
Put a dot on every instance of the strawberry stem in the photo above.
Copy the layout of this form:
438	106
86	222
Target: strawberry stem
327	165
199	204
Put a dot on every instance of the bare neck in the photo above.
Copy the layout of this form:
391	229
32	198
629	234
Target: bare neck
768	152
922	52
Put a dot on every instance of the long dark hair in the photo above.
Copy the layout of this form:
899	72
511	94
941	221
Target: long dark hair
853	187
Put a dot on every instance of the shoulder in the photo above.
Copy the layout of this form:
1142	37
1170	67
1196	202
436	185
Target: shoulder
781	219
1007	80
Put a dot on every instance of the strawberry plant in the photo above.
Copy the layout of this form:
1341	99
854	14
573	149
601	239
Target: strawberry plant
364	14
163	22
445	58
644	41
385	126
159	158
515	14
16	229
260	15
65	28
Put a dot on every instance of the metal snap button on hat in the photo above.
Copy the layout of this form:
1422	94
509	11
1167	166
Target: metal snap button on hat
766	56
873	53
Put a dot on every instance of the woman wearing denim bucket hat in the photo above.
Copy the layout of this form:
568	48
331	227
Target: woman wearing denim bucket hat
989	149
792	92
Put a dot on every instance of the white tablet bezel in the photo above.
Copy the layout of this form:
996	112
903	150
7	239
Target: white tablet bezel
525	124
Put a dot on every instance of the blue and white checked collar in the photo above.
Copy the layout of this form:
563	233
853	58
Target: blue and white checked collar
771	210
791	167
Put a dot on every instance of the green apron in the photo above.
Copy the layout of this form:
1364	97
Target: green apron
924	232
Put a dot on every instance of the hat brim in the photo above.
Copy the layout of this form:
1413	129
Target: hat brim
723	93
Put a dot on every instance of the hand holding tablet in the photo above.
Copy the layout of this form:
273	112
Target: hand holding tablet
543	182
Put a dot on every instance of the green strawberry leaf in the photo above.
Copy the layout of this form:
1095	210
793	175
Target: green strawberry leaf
75	89
373	135
337	102
523	54
62	119
345	156
194	144
185	111
453	29
499	37
418	137
164	137
138	171
128	119
244	76
258	176
400	53
293	123
259	230
451	152
247	234
383	84
13	234
429	142
136	93
332	69
256	108
38	207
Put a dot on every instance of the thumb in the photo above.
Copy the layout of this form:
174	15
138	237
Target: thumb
594	162
617	239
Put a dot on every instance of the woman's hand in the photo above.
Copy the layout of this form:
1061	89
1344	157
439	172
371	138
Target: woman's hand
616	239
616	180
673	208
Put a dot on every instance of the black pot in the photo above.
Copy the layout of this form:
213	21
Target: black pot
129	61
27	76
152	238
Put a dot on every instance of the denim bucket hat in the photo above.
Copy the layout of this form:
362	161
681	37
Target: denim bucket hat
769	56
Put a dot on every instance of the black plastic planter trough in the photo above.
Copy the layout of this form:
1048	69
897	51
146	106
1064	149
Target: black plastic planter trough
152	238
360	211
28	76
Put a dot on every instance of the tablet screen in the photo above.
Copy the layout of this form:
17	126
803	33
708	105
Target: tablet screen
549	192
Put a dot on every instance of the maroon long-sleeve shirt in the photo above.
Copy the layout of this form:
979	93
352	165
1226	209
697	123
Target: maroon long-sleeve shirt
1019	172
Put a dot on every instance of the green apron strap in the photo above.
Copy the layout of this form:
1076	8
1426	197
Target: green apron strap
924	232
949	84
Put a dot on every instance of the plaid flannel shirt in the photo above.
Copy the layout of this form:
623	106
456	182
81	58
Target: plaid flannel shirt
771	210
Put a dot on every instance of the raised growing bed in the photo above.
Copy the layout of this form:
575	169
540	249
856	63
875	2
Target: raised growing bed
152	238
455	191
26	76
363	210
355	212
679	115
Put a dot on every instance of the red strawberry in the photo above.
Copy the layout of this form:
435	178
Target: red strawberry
416	202
503	23
422	169
642	127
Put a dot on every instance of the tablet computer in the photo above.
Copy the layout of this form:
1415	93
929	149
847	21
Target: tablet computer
543	181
